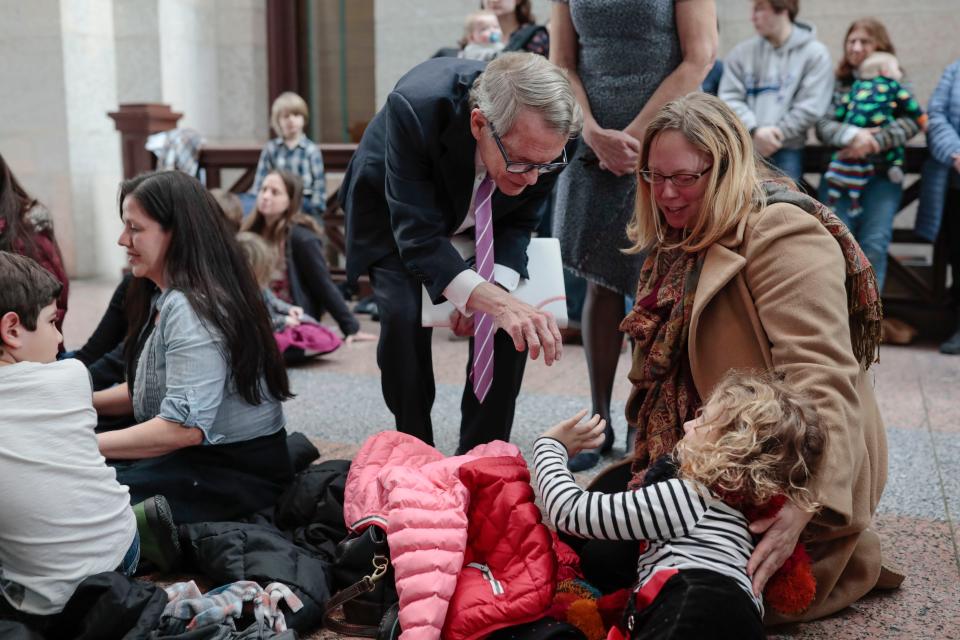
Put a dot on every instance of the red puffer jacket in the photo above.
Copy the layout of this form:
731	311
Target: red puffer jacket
509	568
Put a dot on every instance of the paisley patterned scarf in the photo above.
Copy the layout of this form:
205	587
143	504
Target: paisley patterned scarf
663	395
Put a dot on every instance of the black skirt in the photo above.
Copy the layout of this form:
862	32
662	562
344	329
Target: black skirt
213	482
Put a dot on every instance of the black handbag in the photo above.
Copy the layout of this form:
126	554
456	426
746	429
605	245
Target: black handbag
365	599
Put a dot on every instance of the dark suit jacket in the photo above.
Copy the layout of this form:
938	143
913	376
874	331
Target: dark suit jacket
409	184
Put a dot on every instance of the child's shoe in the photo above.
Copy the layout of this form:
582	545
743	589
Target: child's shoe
159	539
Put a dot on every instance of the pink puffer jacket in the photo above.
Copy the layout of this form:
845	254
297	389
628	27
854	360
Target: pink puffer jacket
410	489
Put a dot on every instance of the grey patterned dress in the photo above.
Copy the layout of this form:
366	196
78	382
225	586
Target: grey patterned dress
627	47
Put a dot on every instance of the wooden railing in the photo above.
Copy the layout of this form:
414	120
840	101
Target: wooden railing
215	160
929	290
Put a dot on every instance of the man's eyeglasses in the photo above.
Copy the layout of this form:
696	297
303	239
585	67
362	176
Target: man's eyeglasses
525	167
678	179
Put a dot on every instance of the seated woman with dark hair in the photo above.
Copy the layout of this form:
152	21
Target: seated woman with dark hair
301	276
205	379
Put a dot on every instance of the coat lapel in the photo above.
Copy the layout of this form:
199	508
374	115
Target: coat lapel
720	265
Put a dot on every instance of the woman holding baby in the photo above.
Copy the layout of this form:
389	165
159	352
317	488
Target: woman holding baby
879	198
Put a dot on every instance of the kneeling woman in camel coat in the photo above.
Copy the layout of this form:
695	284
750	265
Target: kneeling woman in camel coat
746	274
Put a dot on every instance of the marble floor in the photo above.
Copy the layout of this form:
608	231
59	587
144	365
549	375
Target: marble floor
338	404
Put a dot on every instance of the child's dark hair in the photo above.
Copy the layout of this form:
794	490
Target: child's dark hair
770	441
25	288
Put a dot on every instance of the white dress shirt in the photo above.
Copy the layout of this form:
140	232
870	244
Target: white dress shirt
461	287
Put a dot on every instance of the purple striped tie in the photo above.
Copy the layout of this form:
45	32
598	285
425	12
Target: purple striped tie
483	328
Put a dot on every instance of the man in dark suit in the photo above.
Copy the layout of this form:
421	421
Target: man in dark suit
451	129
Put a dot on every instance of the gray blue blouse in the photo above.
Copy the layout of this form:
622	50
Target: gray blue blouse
183	376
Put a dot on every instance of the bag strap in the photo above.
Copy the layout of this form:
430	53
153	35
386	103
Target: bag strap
364	585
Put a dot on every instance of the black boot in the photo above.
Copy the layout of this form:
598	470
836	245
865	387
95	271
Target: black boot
952	345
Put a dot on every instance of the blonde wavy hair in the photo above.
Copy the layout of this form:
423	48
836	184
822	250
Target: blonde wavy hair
770	442
260	255
734	181
287	102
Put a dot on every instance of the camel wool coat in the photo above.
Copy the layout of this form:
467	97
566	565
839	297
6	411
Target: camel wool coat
772	295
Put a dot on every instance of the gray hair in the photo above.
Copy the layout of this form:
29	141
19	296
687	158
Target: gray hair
517	81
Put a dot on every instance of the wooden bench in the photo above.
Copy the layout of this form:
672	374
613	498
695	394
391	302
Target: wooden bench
924	285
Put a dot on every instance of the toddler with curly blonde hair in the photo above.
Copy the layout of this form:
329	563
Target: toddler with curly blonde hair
755	440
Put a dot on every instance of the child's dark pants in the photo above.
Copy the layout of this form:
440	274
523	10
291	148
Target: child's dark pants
702	604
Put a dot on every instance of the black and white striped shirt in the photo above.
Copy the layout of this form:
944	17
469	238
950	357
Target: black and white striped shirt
685	529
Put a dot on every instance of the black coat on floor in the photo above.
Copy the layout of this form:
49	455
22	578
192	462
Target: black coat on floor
105	606
293	544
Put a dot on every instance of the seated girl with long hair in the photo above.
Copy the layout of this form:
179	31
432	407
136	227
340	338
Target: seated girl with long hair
299	336
301	276
204	376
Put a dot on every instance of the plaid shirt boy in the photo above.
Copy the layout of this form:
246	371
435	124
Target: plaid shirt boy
304	160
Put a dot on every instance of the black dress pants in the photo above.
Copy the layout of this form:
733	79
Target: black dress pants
404	356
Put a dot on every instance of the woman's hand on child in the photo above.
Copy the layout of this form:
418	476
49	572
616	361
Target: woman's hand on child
576	435
291	320
297	312
780	536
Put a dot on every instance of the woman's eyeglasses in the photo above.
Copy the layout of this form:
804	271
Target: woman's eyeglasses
524	167
678	179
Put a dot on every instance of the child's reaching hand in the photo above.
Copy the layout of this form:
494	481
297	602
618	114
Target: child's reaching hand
576	435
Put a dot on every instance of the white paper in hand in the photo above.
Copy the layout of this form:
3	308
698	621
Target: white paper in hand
543	290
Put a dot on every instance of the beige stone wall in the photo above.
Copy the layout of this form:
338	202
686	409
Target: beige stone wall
89	72
66	63
926	33
58	76
410	31
33	115
214	66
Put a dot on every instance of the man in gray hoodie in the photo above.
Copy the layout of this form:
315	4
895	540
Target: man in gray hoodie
779	82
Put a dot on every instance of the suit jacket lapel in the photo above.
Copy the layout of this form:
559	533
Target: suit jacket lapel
458	148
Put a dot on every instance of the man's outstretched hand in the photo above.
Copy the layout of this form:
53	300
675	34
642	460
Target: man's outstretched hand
530	328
